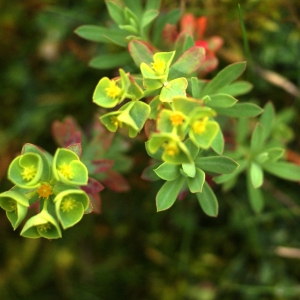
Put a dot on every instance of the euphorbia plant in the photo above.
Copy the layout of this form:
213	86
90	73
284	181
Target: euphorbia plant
183	116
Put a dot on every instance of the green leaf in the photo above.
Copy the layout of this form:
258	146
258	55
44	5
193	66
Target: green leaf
267	119
168	193
140	52
189	169
257	175
171	17
196	183
240	110
149	174
101	34
110	61
148	17
224	77
187	63
217	164
284	170
187	105
242	130
153	4
218	143
208	201
221	100
237	88
257	138
168	171
173	88
135	7
116	12
226	177
255	195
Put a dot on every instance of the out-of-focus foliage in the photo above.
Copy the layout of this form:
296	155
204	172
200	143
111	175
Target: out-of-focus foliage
130	251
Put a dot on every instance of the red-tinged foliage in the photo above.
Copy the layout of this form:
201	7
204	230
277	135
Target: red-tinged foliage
66	133
102	165
116	182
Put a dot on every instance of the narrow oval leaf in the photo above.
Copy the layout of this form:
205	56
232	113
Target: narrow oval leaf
257	138
224	77
110	61
283	170
255	195
237	88
167	171
196	184
267	119
240	110
256	174
168	193
189	62
148	17
116	12
217	164
221	100
140	52
208	201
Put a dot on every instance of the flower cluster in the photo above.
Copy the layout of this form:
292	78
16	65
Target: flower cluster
53	184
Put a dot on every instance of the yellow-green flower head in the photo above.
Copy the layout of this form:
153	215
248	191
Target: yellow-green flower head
16	206
41	225
70	206
26	170
68	168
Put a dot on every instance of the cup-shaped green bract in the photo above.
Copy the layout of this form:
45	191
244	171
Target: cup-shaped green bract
26	170
68	168
42	225
16	206
70	206
110	92
174	150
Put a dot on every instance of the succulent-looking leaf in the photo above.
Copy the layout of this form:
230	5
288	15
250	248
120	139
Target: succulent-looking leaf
255	195
217	164
208	201
284	170
168	171
256	174
257	138
140	52
196	183
168	193
240	110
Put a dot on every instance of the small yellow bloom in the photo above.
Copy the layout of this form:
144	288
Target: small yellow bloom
171	149
68	204
159	66
66	171
29	173
113	90
176	119
44	190
199	126
44	227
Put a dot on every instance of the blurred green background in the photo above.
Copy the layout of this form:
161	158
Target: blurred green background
130	251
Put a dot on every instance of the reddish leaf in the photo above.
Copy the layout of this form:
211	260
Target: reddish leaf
66	132
188	23
140	52
76	148
102	165
95	203
200	27
116	182
169	35
93	186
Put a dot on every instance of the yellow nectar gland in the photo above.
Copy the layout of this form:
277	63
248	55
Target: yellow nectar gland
68	204
13	204
44	227
44	190
159	66
171	149
29	173
113	90
199	126
66	171
176	119
115	122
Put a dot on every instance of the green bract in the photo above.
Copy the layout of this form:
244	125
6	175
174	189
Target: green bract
26	170
68	169
70	206
41	225
16	206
